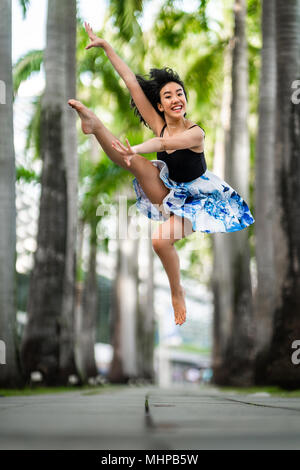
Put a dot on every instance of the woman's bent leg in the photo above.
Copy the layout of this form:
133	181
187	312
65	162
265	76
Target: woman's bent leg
146	173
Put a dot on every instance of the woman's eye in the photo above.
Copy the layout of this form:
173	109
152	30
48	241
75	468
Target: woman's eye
179	94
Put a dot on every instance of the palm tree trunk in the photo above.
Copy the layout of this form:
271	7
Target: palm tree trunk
9	371
86	315
124	363
66	354
221	275
286	228
265	193
145	317
48	339
238	358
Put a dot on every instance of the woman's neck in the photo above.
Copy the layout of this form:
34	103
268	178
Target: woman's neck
175	126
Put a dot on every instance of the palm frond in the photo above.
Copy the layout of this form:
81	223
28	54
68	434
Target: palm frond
125	15
27	64
173	25
206	72
105	179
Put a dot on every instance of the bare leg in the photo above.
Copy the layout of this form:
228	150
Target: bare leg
146	173
163	240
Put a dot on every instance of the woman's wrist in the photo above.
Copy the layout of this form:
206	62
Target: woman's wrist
105	45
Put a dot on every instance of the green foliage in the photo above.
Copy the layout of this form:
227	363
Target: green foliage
206	73
33	134
86	389
173	25
24	4
27	64
25	175
104	179
125	15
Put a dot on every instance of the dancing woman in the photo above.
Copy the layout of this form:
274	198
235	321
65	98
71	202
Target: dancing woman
176	188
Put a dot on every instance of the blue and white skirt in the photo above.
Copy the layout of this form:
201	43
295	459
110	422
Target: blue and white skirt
210	203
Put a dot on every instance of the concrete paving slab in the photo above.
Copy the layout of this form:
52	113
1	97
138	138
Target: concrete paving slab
199	419
182	418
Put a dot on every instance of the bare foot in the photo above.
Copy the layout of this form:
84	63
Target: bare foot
179	306
88	118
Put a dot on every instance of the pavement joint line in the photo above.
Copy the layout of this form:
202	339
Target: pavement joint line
260	404
218	397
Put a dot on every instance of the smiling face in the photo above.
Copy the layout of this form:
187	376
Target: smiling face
172	100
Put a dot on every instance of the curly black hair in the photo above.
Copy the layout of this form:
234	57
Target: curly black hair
152	86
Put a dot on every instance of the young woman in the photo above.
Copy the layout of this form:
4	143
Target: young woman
176	188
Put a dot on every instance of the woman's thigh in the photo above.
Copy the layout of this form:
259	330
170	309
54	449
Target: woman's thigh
173	229
148	177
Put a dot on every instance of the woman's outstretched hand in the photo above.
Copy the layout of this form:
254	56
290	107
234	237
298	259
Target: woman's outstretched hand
126	152
95	40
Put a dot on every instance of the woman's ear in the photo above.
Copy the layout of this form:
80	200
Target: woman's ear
160	108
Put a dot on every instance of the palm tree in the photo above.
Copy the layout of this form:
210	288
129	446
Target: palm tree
280	369
265	192
124	311
105	178
221	274
85	314
145	316
9	372
236	364
48	339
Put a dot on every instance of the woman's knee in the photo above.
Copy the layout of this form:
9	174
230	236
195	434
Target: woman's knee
159	244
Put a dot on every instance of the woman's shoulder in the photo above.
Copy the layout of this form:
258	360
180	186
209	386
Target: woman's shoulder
193	124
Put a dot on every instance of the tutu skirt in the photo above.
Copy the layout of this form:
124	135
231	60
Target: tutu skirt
210	203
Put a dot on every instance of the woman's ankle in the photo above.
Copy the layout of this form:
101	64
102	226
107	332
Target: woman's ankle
177	291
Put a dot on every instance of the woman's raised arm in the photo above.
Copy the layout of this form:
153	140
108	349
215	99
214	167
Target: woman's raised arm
123	70
144	106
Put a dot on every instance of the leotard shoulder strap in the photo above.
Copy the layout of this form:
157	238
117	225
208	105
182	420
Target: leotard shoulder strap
162	131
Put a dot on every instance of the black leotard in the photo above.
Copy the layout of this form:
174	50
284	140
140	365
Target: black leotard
184	165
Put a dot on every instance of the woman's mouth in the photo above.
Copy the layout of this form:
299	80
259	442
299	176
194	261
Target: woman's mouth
177	108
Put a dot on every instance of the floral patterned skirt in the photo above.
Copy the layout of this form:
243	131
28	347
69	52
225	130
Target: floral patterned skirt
210	203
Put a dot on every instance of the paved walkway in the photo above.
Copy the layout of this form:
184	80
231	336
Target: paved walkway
175	419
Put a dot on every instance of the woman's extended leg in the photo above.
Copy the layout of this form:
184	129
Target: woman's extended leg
146	173
163	239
